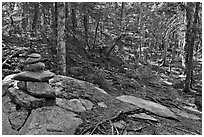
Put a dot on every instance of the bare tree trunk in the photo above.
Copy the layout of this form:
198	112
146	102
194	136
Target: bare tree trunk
121	16
86	28
190	41
35	19
74	20
96	30
60	38
24	15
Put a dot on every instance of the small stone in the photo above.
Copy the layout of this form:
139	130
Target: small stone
40	90
22	85
120	124
102	104
43	76
87	104
35	55
36	67
32	60
23	99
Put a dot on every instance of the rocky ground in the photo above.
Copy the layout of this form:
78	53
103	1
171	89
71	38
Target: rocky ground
79	107
104	98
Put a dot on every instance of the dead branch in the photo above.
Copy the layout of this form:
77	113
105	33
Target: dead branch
103	121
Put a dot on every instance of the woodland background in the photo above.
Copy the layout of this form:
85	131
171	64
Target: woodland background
86	40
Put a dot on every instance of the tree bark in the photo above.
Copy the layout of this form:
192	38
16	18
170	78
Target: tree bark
60	39
86	28
35	19
190	40
74	20
121	16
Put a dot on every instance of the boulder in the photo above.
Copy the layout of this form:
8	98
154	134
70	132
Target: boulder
148	105
40	89
74	105
23	99
7	105
36	67
6	127
43	76
50	120
17	118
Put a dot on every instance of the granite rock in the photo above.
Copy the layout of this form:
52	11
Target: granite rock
40	90
51	120
36	67
43	76
23	99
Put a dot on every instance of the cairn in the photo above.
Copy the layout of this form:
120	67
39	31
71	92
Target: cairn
33	87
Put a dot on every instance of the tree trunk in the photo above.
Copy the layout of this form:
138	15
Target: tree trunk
74	20
190	40
35	19
96	30
24	15
67	46
86	28
121	16
60	38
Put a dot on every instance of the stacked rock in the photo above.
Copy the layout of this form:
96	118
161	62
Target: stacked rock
33	86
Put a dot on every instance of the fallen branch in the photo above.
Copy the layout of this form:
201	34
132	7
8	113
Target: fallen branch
13	55
108	119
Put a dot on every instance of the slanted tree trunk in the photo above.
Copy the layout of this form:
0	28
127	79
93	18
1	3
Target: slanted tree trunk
60	38
190	40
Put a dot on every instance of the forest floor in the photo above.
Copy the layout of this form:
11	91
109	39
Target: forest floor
151	82
148	81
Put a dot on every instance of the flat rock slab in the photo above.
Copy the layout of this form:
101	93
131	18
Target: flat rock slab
40	89
51	121
23	99
6	127
185	114
148	105
43	76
